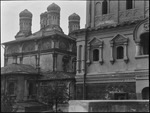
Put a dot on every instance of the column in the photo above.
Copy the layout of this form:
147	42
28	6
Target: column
111	53
137	49
83	59
100	54
54	61
25	90
55	57
5	60
88	54
125	53
53	44
38	62
92	14
77	65
36	46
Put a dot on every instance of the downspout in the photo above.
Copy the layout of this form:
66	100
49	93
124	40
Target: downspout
85	67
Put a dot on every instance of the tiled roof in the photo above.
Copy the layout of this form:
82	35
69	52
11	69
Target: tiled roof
58	75
18	69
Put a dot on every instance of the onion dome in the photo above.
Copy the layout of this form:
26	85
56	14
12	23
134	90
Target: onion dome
25	13
74	16
53	7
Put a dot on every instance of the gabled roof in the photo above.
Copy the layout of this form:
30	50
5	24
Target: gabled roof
95	41
18	69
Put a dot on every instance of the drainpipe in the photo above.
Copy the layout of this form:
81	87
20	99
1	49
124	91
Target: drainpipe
85	67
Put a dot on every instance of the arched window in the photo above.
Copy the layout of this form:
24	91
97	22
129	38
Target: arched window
129	4
98	9
145	93
95	55
104	7
80	55
11	88
144	43
120	52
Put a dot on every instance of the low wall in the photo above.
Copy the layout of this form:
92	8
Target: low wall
109	106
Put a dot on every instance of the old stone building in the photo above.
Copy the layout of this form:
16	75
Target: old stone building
108	59
33	59
113	50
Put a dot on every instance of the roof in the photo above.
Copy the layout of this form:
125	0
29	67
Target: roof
40	34
53	6
57	75
25	13
107	26
18	69
74	16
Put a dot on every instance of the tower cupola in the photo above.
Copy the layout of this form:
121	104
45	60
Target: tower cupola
53	7
74	22
53	14
25	24
43	20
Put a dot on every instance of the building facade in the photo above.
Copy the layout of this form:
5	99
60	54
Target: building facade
108	59
34	59
113	50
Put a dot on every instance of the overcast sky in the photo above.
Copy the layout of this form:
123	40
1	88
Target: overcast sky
10	16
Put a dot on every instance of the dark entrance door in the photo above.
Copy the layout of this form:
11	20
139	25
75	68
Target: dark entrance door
32	90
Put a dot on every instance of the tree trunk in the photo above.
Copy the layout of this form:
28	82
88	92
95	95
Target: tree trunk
56	105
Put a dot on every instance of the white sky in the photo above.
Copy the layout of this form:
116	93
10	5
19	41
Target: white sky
10	16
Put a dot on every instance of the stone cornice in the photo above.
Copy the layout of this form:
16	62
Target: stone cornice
112	77
42	51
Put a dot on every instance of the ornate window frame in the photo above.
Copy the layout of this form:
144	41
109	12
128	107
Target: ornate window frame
95	43
141	28
119	40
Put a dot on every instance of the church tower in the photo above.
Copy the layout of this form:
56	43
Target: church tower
43	20
53	14
53	18
25	24
74	22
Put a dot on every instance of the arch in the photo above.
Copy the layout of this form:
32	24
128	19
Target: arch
145	93
11	88
63	45
104	7
12	49
119	52
144	43
45	44
141	27
28	46
98	9
95	55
